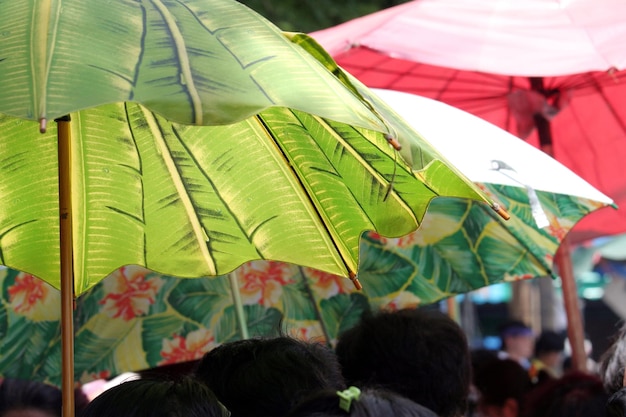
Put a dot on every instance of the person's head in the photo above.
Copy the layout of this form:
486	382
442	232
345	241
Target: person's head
518	340
421	354
549	347
613	363
267	376
502	385
576	394
23	398
185	397
478	357
482	355
354	402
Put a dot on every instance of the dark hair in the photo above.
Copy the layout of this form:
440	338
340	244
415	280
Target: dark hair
613	362
482	355
18	394
185	397
549	341
371	403
576	394
501	379
421	354
512	328
267	376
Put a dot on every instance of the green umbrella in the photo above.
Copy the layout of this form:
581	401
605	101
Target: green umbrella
294	167
183	197
136	319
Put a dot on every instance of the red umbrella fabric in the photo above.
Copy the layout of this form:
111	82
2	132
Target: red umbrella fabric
548	71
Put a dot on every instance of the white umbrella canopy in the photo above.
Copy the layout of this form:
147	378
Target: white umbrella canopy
516	64
473	144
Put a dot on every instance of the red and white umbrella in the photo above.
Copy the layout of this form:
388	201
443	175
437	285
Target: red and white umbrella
550	71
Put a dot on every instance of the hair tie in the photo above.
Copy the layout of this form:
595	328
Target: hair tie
347	396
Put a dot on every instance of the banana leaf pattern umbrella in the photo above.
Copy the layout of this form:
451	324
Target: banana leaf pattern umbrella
137	319
190	137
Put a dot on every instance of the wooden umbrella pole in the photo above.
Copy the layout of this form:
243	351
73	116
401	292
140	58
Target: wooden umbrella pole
575	326
67	269
453	309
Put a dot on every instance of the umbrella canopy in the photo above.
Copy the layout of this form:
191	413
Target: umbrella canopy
138	319
196	201
295	154
514	64
181	197
461	247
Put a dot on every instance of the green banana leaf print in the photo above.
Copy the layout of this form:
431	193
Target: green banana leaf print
188	138
188	122
137	319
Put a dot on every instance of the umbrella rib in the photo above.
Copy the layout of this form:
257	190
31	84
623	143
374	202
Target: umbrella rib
310	200
199	232
40	27
77	149
144	31
388	185
250	236
186	77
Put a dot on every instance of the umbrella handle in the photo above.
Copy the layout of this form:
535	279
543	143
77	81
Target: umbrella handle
355	281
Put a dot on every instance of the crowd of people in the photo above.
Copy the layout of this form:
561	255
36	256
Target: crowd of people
406	363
